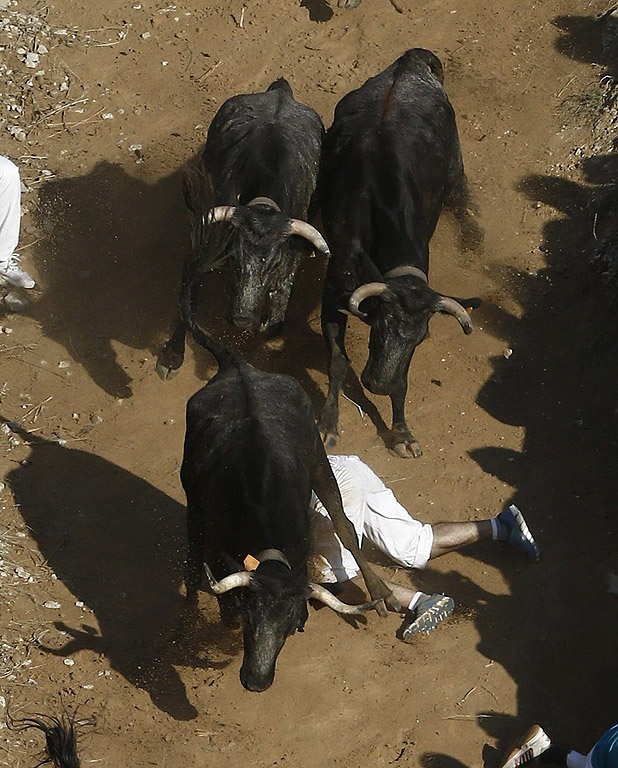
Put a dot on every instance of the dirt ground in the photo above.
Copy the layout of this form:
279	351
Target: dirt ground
92	529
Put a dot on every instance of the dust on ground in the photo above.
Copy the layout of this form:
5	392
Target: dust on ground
106	103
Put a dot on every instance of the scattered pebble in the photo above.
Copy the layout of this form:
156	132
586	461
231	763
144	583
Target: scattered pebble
52	604
68	662
107	115
507	353
64	364
15	302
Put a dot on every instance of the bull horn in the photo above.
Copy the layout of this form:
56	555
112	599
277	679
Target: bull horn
265	201
304	229
221	213
234	580
362	293
452	307
406	269
320	593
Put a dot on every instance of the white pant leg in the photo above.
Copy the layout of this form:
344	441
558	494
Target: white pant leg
374	512
10	208
388	524
337	563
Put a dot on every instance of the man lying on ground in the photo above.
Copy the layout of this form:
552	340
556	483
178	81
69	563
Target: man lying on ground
375	513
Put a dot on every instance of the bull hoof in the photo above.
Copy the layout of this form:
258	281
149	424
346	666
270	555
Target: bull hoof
349	3
168	363
381	609
407	449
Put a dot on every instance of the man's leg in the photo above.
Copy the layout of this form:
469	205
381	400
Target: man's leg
509	527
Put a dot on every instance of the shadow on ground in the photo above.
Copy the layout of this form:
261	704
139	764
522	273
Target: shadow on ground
117	543
554	633
112	273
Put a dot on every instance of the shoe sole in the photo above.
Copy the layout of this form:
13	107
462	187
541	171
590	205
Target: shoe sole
430	618
525	744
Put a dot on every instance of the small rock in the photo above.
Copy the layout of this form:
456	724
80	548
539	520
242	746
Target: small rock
68	662
52	604
145	35
107	116
64	364
507	353
15	302
32	60
88	687
22	573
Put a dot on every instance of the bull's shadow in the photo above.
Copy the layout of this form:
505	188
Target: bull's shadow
117	543
114	249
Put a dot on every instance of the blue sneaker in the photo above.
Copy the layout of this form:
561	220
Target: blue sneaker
518	532
426	615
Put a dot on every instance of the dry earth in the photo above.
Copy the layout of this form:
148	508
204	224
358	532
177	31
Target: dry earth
92	509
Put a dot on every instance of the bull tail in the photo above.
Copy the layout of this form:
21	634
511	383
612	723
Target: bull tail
60	739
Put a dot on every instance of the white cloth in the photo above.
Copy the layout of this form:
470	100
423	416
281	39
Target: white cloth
10	209
375	513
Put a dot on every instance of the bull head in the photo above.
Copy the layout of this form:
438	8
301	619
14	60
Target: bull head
400	323
274	606
262	265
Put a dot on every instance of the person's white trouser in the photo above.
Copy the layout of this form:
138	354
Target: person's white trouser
375	513
10	210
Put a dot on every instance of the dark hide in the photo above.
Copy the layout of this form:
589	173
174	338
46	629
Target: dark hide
258	145
252	455
389	162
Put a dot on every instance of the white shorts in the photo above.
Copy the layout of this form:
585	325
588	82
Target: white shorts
375	513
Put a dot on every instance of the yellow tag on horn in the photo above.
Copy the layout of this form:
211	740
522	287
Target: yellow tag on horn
251	563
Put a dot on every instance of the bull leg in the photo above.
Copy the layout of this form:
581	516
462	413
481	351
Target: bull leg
401	440
173	352
333	328
327	490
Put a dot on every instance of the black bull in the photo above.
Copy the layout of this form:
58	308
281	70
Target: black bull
389	162
252	456
248	197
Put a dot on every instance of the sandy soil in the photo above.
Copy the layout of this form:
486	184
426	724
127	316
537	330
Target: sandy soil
95	525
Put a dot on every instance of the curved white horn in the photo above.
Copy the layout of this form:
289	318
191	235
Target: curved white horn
304	229
452	307
362	293
318	592
234	580
221	213
406	269
265	201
